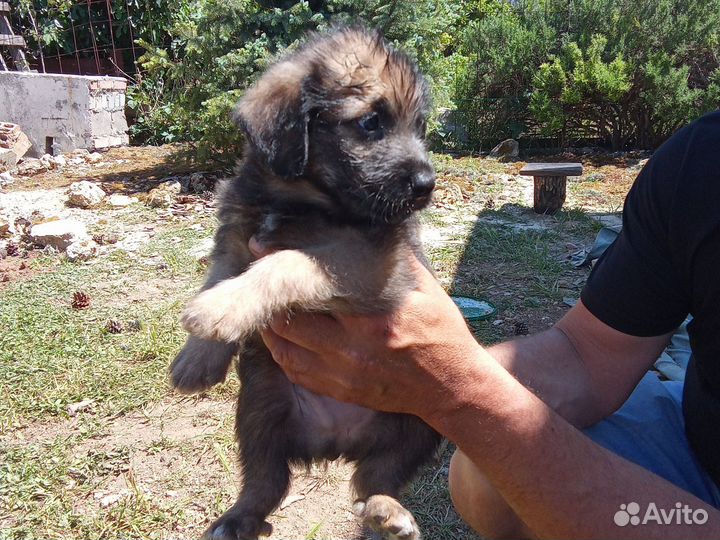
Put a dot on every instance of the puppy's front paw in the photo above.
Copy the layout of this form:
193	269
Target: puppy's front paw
201	364
218	315
386	515
233	526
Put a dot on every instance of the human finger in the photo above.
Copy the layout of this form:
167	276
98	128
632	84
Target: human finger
258	249
294	360
314	331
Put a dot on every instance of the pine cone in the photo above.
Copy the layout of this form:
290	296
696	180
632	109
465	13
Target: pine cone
23	225
521	329
105	239
80	300
114	327
12	249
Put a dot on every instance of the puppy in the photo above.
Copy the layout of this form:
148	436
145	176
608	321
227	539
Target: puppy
334	170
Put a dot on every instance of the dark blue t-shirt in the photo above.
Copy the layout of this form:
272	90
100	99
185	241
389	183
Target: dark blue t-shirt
666	264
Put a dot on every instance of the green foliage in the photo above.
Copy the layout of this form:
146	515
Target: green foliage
61	26
218	48
580	85
501	54
629	73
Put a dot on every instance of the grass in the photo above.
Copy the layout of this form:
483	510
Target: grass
171	461
52	355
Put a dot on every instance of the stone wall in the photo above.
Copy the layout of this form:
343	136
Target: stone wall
60	113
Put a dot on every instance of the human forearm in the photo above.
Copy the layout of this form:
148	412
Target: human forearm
549	366
581	367
558	481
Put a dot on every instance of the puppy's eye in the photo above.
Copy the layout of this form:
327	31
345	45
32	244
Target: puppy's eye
370	123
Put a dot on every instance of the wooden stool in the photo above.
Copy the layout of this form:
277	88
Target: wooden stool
550	184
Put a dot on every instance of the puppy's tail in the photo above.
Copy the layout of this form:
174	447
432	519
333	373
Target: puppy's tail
235	308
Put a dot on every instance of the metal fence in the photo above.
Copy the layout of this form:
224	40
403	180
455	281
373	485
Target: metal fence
88	37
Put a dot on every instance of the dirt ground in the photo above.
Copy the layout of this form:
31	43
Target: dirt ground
138	460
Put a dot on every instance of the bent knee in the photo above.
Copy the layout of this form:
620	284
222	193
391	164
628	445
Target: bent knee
479	504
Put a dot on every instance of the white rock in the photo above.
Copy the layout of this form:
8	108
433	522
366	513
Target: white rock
95	157
58	234
163	195
202	249
8	158
48	161
173	187
111	500
6	179
82	250
85	194
80	406
60	161
121	200
31	166
133	241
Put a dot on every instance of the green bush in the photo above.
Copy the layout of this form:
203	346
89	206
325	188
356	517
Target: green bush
580	90
628	73
502	52
218	48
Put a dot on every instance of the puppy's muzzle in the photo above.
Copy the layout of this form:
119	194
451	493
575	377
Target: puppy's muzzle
421	184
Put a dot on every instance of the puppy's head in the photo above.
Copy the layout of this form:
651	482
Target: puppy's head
344	117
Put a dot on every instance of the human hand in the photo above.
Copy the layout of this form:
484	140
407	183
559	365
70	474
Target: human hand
416	359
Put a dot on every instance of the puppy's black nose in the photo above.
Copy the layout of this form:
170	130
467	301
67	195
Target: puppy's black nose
422	183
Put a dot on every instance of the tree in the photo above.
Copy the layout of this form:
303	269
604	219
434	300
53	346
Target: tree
501	52
629	73
219	47
580	90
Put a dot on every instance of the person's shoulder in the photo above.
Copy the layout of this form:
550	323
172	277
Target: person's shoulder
692	152
710	121
699	139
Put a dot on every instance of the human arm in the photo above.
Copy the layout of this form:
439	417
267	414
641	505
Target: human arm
422	360
581	367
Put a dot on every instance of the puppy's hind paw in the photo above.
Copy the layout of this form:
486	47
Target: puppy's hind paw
387	516
201	364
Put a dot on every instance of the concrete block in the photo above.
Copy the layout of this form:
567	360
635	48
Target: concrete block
12	138
8	158
61	113
58	234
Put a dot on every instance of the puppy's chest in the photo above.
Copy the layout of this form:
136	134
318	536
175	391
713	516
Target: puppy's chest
297	231
331	427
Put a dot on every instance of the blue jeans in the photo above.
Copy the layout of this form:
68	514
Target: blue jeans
649	430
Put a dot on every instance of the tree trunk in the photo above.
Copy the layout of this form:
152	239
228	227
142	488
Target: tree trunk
549	194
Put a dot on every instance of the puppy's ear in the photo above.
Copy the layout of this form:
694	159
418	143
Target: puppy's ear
274	114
